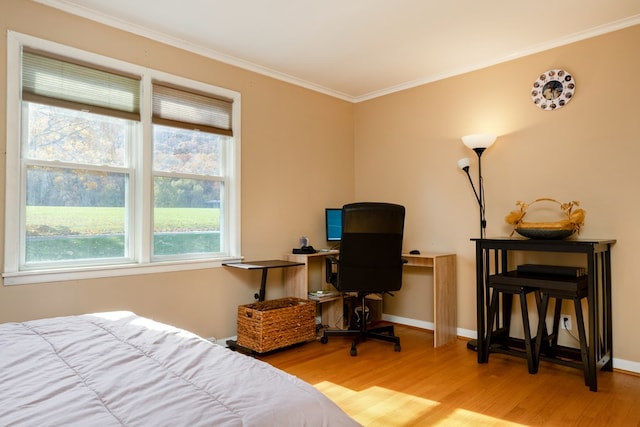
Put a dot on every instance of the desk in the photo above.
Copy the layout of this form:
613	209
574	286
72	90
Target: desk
264	266
598	257
444	287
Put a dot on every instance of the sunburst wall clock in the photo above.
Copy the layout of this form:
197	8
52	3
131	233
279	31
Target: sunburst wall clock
553	89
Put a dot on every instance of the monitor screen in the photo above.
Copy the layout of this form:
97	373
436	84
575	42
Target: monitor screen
333	221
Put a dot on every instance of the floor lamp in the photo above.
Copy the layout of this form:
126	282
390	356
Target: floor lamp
478	143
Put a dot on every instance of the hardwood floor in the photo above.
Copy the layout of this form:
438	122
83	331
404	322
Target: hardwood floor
423	386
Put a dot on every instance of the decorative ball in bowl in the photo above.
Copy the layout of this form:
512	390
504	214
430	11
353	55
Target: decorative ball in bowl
570	221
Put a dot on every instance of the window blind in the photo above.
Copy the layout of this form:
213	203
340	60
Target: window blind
62	83
177	107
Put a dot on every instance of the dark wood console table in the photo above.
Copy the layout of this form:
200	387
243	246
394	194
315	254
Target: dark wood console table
492	257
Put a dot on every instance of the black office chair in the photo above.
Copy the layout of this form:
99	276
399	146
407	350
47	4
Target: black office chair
370	262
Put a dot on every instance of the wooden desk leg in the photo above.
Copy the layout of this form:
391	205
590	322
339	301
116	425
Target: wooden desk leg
444	300
296	278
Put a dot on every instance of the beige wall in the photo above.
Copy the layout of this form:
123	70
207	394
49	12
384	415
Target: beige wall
303	151
297	158
407	145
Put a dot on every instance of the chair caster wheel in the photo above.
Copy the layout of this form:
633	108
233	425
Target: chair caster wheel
353	351
324	340
396	347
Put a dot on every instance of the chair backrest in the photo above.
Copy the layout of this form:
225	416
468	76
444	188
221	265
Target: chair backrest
371	248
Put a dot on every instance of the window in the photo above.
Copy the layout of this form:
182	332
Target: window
190	133
112	168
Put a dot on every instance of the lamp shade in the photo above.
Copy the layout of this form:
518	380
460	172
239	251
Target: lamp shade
463	163
479	140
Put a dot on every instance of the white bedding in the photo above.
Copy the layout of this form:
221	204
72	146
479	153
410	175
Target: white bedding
119	369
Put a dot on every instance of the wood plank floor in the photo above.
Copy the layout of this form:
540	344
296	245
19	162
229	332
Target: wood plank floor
423	386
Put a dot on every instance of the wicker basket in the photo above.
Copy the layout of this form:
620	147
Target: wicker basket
269	325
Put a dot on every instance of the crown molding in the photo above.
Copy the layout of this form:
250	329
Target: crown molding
250	66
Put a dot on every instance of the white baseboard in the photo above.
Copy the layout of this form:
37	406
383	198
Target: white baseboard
626	365
408	322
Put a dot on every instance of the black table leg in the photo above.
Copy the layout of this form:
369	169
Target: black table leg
263	286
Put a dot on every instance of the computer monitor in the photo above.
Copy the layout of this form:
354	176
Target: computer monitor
333	222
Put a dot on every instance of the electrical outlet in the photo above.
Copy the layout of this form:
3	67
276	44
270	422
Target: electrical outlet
565	322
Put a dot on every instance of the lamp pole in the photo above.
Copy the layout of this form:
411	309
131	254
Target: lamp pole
480	196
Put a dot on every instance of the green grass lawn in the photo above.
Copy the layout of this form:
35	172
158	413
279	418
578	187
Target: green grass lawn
64	221
63	233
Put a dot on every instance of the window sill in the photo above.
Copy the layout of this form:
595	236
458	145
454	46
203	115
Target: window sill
45	276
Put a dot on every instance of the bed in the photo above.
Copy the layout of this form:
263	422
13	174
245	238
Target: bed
120	369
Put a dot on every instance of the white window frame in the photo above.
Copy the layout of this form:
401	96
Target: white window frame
142	209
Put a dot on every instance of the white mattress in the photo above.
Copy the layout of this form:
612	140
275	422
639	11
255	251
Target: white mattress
119	369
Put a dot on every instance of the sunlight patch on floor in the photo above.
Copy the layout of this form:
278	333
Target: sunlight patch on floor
378	406
464	417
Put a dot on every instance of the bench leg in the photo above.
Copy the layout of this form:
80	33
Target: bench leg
493	312
542	315
533	367
589	377
556	321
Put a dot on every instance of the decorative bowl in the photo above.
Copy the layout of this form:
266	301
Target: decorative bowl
569	220
545	233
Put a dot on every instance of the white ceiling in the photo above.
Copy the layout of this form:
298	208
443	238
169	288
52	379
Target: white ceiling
360	49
